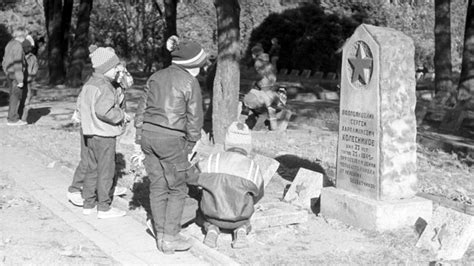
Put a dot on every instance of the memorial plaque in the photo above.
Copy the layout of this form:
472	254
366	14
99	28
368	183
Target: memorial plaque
376	154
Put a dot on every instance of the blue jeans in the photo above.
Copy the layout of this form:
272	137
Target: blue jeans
166	163
100	165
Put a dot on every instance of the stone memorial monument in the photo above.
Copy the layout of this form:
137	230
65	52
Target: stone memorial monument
376	156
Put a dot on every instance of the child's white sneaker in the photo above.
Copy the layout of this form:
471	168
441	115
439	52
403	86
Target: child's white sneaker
88	211
111	213
119	191
75	198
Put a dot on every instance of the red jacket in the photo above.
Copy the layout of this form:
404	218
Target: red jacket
232	183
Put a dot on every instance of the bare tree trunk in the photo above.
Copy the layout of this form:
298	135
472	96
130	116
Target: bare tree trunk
453	120
442	58
227	80
170	28
466	80
66	25
57	47
80	52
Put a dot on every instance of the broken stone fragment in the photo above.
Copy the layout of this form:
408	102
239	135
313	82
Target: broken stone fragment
271	214
268	167
306	186
448	234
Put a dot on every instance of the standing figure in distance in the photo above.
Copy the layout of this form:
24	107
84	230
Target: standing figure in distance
31	70
274	52
14	66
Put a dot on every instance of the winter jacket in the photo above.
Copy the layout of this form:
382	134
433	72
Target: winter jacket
14	63
100	107
232	184
172	104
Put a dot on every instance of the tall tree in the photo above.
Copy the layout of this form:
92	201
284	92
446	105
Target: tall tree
227	80
58	20
466	80
442	58
170	27
80	52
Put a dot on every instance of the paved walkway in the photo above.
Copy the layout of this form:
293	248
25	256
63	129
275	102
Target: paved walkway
124	239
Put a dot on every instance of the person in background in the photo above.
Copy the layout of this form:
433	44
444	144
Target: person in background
14	66
258	102
263	96
123	81
256	51
171	120
31	70
231	184
266	73
274	52
102	118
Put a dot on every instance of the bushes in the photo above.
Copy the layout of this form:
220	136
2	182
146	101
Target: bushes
309	37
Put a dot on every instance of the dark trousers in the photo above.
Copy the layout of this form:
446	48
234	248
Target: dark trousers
226	224
100	161
81	169
27	100
166	163
16	100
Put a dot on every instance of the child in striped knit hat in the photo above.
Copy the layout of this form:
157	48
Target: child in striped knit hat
170	117
231	184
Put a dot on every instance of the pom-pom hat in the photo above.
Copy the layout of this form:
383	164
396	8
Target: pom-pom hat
188	55
238	136
103	58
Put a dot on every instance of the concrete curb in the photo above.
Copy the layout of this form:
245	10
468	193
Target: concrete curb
199	249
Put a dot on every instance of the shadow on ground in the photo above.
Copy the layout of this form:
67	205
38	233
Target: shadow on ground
4	98
34	114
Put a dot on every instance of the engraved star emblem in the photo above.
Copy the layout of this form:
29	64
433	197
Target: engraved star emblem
361	65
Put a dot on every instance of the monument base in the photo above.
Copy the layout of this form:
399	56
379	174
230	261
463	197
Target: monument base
372	214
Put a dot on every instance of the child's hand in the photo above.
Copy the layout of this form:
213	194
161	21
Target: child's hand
127	118
75	117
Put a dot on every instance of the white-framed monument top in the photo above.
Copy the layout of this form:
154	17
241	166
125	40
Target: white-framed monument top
376	155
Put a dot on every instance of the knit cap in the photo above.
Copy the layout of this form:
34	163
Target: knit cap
238	136
188	55
103	58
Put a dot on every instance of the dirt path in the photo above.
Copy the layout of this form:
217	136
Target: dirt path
317	241
43	227
31	234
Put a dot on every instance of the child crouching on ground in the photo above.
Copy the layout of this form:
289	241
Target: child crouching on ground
231	184
102	118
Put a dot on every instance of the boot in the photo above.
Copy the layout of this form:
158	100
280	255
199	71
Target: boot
211	236
179	244
240	238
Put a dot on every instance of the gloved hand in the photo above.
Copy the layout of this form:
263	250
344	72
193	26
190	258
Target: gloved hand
189	146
